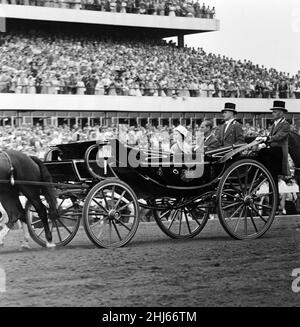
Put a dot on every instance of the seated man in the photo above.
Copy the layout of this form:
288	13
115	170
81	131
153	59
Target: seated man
210	140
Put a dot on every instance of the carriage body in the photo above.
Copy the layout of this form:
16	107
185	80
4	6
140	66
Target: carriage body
181	192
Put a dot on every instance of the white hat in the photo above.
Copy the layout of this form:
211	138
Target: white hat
182	130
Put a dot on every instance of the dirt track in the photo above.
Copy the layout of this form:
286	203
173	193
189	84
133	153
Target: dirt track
153	270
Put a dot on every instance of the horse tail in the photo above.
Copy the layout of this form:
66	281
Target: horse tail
47	190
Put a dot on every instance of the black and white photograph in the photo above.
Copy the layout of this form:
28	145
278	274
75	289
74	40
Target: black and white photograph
149	156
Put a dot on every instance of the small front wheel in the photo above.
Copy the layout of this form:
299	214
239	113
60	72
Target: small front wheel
111	214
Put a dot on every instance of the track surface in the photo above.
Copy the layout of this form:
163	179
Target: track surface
153	270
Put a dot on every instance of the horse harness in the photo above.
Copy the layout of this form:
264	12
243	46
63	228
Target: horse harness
11	168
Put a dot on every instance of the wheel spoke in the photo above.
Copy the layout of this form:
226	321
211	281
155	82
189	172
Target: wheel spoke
228	194
246	178
120	198
117	231
253	180
125	206
109	231
73	219
252	220
234	187
40	233
35	222
61	203
100	205
67	209
258	186
232	205
63	225
236	211
58	232
194	216
180	221
97	222
112	200
104	197
263	206
261	217
245	220
128	215
187	221
101	230
165	213
121	223
238	220
239	178
173	215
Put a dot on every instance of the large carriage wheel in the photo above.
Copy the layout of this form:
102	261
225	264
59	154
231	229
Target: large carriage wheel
183	223
65	227
247	199
111	214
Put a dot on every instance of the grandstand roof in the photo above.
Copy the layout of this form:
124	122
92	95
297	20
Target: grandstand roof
165	26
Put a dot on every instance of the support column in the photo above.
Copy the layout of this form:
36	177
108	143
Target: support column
180	41
2	24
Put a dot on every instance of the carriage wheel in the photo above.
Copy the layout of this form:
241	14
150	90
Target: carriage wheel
247	200
183	223
111	214
65	227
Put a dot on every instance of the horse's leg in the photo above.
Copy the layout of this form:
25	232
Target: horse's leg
33	196
11	204
26	236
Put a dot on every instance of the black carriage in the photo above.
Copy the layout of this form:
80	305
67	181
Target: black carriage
107	183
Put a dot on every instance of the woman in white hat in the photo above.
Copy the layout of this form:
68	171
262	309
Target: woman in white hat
180	144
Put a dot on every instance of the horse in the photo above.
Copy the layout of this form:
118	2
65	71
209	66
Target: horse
15	165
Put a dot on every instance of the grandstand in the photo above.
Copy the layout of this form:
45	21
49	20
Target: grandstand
113	31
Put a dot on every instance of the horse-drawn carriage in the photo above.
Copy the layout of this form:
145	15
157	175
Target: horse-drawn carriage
105	184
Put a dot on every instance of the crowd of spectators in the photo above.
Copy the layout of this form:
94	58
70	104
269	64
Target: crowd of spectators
53	63
36	140
182	8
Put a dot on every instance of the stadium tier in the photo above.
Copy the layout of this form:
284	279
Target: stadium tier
107	66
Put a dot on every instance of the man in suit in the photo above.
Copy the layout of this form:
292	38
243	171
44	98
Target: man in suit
275	156
210	141
231	131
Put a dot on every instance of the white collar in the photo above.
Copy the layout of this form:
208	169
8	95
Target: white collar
228	122
207	137
277	121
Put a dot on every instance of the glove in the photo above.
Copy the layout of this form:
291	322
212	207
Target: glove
263	139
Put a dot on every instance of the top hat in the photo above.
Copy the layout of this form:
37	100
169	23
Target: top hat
229	107
279	105
182	130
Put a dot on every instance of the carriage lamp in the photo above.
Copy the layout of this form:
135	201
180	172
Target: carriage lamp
104	153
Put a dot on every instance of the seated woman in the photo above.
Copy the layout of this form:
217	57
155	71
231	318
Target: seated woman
180	146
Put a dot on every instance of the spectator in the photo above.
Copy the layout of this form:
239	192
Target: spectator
56	63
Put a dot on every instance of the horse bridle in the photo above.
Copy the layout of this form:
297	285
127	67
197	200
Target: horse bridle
11	168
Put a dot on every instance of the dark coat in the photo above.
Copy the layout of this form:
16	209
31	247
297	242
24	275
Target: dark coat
279	138
233	135
211	143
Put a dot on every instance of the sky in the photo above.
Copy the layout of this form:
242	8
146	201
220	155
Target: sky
267	32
